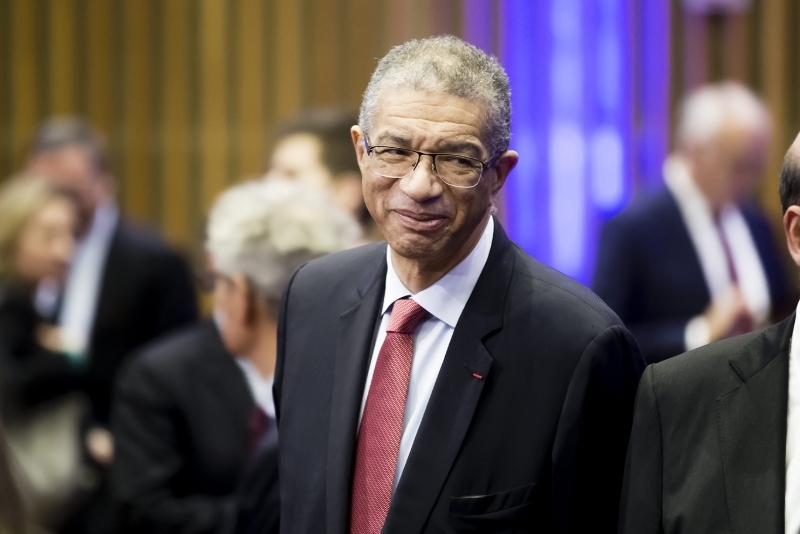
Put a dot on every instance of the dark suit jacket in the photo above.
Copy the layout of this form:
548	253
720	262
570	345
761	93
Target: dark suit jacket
535	445
146	291
708	446
649	273
29	373
181	424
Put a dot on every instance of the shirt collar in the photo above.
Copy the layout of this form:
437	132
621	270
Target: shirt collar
446	298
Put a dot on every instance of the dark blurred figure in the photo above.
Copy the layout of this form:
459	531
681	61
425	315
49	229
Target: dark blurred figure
38	381
315	148
125	286
697	262
188	415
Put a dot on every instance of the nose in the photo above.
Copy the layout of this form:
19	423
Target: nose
422	184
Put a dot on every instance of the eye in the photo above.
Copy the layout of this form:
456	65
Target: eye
391	151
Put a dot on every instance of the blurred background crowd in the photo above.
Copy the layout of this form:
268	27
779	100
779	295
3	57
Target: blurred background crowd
166	165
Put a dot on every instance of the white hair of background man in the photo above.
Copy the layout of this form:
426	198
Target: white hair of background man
708	110
445	64
265	230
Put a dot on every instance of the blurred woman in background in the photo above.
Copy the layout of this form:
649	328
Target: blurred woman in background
37	233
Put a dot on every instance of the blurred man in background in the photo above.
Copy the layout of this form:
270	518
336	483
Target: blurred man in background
125	286
697	261
315	148
194	408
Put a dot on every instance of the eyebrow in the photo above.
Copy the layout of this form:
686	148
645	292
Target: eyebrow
447	147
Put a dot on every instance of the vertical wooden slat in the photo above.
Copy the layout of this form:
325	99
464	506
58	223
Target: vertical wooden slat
175	135
99	64
289	55
24	87
251	88
325	40
5	90
364	48
213	105
138	109
735	44
400	21
63	64
773	74
695	51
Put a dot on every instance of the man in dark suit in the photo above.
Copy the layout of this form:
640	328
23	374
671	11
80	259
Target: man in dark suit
714	445
696	261
447	381
126	287
189	415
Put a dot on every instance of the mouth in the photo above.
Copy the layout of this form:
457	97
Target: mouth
420	221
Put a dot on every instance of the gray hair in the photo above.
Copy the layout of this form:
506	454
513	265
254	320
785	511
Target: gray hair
445	64
265	230
61	132
710	108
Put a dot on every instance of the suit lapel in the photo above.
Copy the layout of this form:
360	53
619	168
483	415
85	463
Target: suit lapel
752	432
356	329
455	395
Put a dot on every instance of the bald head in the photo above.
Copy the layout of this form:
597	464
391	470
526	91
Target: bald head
789	186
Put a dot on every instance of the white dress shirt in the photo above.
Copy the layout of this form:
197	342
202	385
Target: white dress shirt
260	386
444	300
82	291
708	243
792	503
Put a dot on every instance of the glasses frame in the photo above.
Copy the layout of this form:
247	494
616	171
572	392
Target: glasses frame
485	165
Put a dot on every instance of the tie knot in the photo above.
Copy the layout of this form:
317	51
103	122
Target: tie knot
406	315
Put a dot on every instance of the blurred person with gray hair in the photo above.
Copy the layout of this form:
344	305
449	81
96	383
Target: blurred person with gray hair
444	380
191	410
697	262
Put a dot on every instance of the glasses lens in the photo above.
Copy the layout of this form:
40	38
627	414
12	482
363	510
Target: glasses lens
394	162
458	170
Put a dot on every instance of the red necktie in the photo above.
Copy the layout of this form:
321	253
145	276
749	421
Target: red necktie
382	421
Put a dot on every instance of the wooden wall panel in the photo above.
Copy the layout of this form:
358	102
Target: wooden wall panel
138	108
62	41
250	81
213	127
26	29
175	111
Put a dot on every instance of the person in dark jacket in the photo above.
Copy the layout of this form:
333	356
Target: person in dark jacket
191	411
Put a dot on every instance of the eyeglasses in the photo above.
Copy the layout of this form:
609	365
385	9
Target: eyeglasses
455	170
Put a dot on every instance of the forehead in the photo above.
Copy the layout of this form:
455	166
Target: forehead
68	162
428	120
299	147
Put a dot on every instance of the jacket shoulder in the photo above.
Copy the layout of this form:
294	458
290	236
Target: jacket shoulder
552	290
169	357
702	373
348	267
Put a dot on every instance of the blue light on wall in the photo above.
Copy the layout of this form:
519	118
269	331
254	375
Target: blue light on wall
570	64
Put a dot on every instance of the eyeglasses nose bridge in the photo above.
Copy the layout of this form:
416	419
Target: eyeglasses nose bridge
433	162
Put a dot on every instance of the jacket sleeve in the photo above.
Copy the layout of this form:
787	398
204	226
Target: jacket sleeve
593	432
640	509
148	461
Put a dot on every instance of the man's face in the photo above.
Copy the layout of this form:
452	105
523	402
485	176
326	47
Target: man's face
298	157
420	216
730	167
72	168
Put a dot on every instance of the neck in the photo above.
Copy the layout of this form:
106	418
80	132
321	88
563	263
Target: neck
263	349
420	274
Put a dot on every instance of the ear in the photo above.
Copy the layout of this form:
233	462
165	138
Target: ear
360	144
502	168
791	227
240	300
